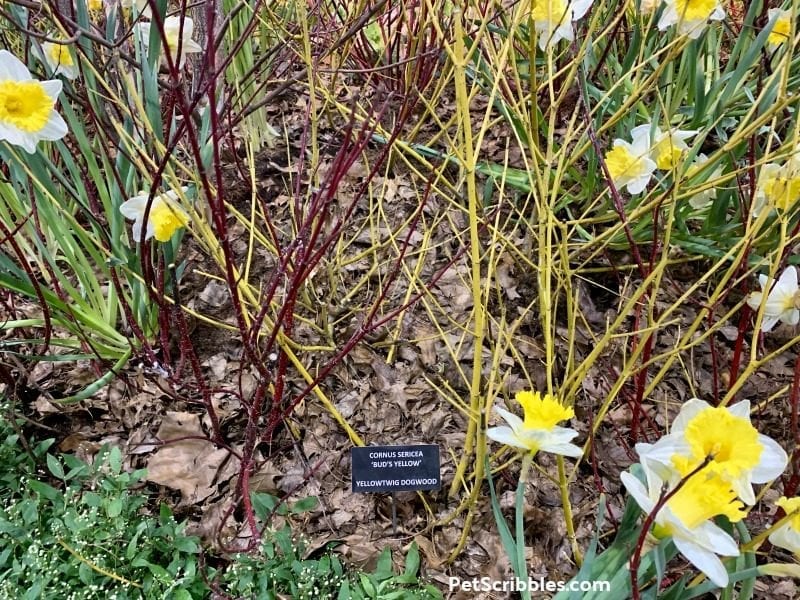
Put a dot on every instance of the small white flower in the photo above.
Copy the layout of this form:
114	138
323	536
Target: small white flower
782	302
553	19
629	163
691	16
27	113
165	216
175	37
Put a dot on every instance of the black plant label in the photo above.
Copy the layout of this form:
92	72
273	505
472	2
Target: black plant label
396	468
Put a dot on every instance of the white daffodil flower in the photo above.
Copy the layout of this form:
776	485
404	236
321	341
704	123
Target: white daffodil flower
725	438
782	28
691	16
27	113
788	535
686	516
58	59
175	37
165	217
629	163
782	302
669	146
553	19
538	430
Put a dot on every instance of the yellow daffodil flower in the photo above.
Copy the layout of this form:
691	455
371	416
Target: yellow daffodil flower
59	60
553	19
725	438
782	27
788	535
538	429
691	16
669	146
27	113
174	37
778	186
629	163
687	515
165	217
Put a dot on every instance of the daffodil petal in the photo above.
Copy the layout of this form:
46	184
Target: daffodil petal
513	420
768	323
705	560
773	461
743	487
579	8
133	207
563	449
13	68
637	490
786	537
505	435
714	538
55	128
690	409
787	282
741	409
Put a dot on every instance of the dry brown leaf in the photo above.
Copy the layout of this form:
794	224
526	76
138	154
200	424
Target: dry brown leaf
188	465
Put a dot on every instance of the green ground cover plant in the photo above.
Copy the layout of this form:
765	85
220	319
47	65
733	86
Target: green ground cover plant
78	531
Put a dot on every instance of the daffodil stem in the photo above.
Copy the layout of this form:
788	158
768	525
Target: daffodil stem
520	569
563	484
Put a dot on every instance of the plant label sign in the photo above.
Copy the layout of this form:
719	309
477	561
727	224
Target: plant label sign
396	468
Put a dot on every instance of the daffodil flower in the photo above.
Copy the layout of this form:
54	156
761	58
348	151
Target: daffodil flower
725	438
691	16
686	515
165	216
703	199
142	7
59	60
538	430
629	163
782	27
27	113
778	186
553	19
788	535
174	37
648	7
669	146
782	302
